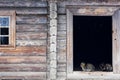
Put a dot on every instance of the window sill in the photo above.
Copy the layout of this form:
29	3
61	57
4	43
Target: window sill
93	75
6	47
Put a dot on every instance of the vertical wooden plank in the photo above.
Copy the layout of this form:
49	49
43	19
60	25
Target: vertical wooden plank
116	42
13	29
53	40
114	33
69	42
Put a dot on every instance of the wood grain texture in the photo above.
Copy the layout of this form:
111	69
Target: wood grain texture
31	35
23	68
27	61
53	38
63	4
62	27
61	11
61	58
61	74
26	11
62	47
62	50
61	67
22	59
93	10
116	42
31	43
23	78
23	75
24	51
23	3
28	19
62	19
31	28
12	78
61	35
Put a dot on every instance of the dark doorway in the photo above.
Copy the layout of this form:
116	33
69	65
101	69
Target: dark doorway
92	40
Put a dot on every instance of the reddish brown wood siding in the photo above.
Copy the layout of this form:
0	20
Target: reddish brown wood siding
28	60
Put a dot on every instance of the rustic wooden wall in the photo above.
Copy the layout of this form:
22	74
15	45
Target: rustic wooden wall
62	25
28	60
61	41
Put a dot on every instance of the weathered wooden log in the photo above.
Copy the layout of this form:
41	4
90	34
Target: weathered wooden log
24	51
22	59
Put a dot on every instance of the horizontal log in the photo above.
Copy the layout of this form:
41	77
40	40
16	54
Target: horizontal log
28	19
61	74
62	46
62	27
31	10
61	35
31	42
73	78
62	43
63	78
24	51
12	78
61	67
31	35
91	79
61	50
62	62
23	68
23	75
27	11
22	59
63	4
23	3
22	78
34	78
62	19
61	58
62	10
31	28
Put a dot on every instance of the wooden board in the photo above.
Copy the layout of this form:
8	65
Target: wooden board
31	43
23	3
31	28
26	10
28	19
24	51
23	68
27	61
31	35
23	75
22	59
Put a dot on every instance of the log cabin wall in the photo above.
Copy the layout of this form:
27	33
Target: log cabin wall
62	33
28	60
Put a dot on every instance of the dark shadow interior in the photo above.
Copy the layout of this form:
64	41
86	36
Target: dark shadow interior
92	40
4	39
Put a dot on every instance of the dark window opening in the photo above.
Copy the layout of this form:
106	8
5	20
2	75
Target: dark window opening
4	30
92	41
4	40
